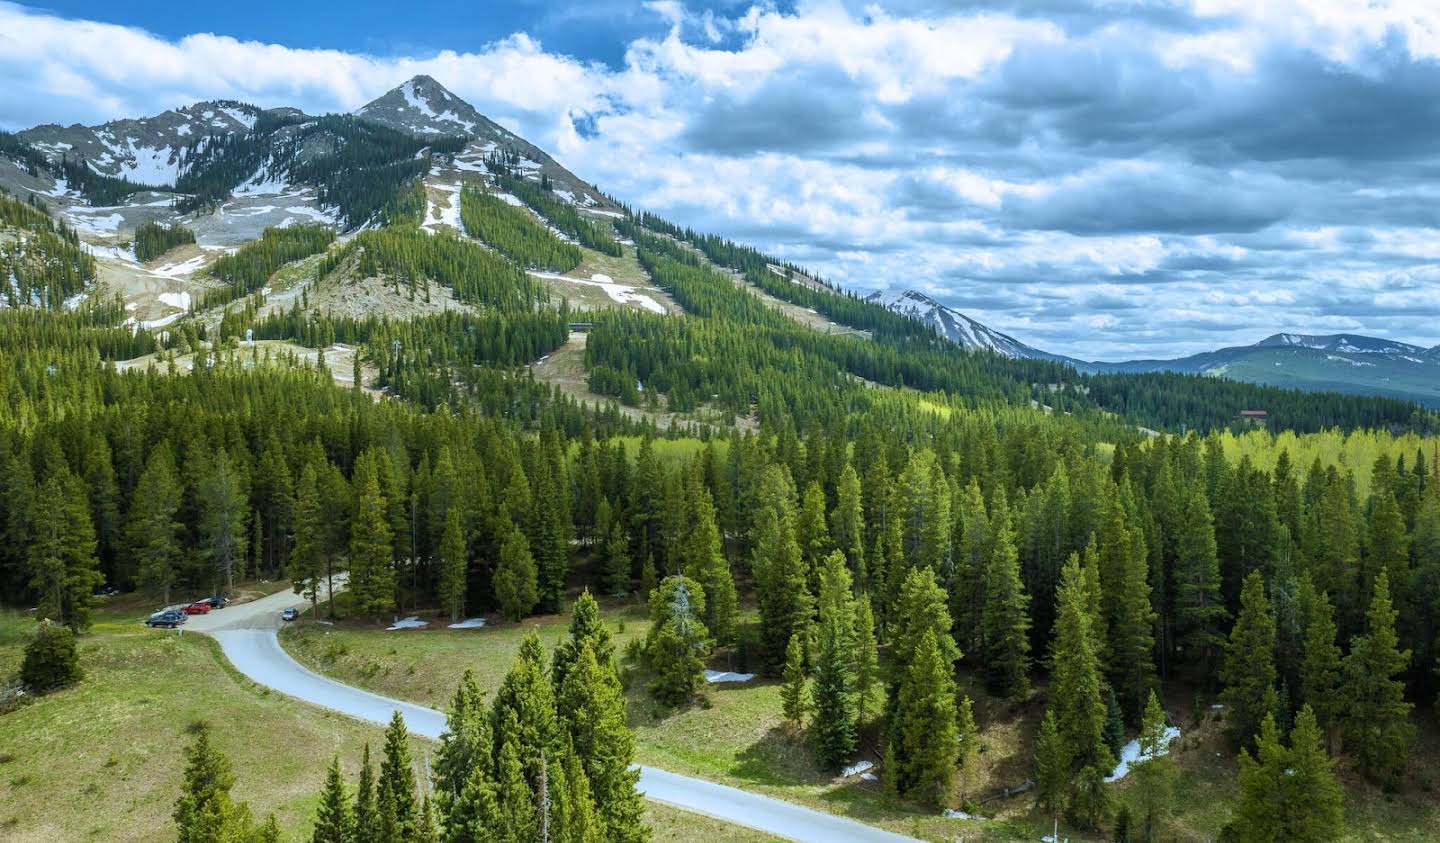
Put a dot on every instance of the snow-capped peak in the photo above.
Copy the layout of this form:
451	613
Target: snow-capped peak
952	324
423	106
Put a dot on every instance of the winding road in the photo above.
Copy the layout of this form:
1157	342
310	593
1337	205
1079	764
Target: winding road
247	634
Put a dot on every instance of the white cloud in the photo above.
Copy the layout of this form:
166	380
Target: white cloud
886	149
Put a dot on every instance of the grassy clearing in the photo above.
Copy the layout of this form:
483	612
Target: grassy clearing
117	738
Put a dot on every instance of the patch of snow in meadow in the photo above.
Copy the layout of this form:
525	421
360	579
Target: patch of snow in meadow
468	623
1130	754
857	768
411	622
717	676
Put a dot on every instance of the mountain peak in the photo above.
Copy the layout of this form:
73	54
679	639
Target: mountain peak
952	324
1347	343
423	106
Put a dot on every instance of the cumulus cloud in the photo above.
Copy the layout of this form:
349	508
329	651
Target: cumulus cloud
1103	178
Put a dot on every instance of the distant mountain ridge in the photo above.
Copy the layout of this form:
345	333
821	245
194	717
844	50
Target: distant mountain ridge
1350	363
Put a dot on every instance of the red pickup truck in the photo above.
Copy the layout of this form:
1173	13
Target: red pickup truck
199	607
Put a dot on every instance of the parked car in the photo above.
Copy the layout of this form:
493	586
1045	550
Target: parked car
169	618
290	614
217	602
199	607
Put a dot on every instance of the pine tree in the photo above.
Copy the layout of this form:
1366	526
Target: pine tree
524	711
847	522
678	641
205	811
466	744
704	563
1321	666
866	661
1005	621
1314	804
453	564
372	577
586	627
334	820
367	818
223	516
593	710
1262	788
1114	734
1154	771
1387	548
396	789
1198	605
792	692
63	568
516	581
833	692
307	557
617	562
786	604
1377	729
967	746
152	531
1249	669
1077	692
920	760
475	813
1289	794
1052	770
1131	629
921	607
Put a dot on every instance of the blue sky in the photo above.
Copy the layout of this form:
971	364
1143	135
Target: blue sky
597	30
1102	178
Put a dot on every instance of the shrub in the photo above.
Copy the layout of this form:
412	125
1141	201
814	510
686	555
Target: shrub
51	660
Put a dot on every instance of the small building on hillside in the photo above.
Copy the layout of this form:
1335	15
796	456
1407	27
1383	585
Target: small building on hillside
1255	417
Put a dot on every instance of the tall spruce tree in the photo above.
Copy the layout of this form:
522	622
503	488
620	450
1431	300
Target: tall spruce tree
704	563
1200	612
334	818
306	567
920	757
516	581
1005	623
372	576
454	561
678	642
152	531
1248	672
1077	690
1377	728
833	692
396	791
1321	665
64	570
593	710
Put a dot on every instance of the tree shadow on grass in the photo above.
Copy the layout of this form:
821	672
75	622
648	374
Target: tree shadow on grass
779	759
